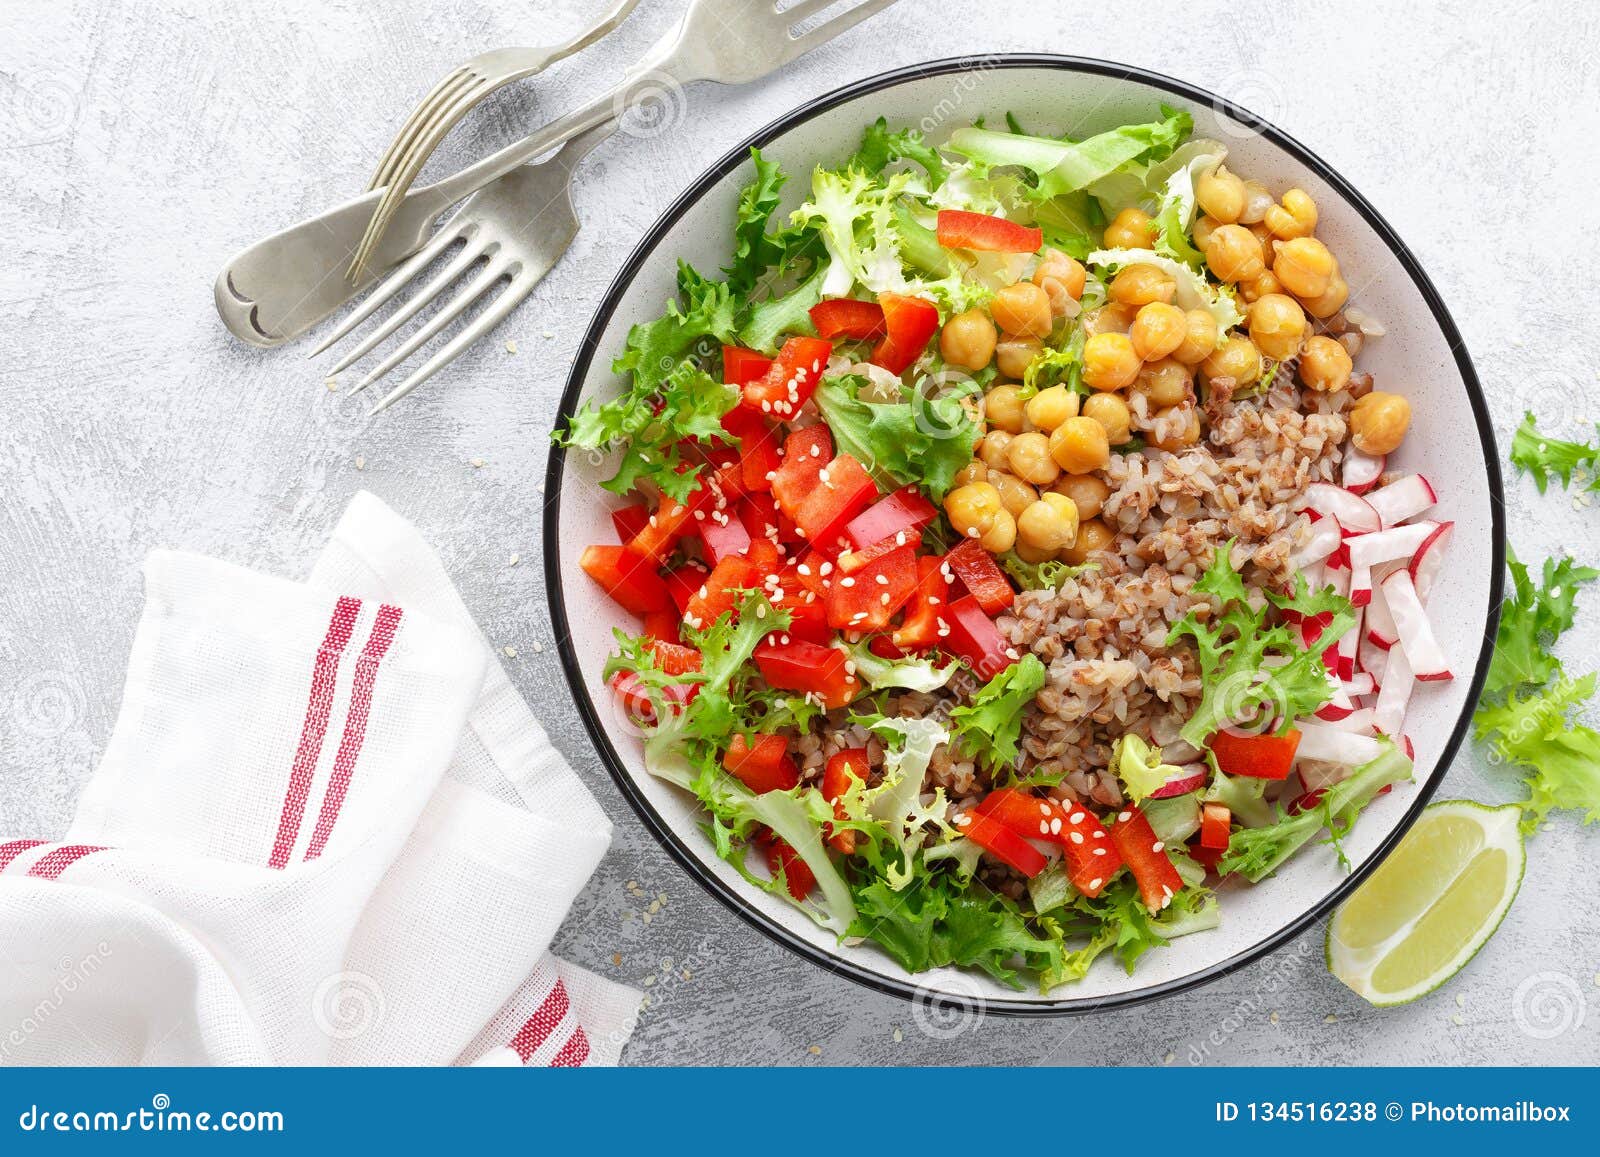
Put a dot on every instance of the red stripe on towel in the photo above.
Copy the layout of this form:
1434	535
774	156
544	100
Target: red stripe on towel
15	848
324	673
538	1027
355	725
58	861
574	1052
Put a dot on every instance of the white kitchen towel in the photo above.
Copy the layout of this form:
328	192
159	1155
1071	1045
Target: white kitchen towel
325	830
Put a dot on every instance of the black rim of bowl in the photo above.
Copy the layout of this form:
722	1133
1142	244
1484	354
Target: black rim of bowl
908	989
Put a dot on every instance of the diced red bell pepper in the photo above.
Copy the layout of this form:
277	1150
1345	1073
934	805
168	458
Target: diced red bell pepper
1256	756
903	513
759	513
640	701
1090	856
683	582
740	365
671	521
1216	826
909	323
844	489
975	639
843	768
884	647
663	625
806	454
867	600
758	447
809	668
981	575
845	317
675	658
791	381
1146	858
815	572
959	229
808	616
630	580
1002	843
716	595
629	521
783	859
920	628
1207	858
722	538
766	556
762	766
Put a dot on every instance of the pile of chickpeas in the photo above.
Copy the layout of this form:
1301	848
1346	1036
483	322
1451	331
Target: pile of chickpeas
1034	485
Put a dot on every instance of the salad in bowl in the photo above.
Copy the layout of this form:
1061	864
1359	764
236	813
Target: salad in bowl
1009	546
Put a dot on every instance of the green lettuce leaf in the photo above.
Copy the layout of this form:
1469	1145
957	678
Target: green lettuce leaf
990	727
1060	167
1138	765
1042	576
880	148
1543	457
1562	757
924	440
1534	617
912	674
788	314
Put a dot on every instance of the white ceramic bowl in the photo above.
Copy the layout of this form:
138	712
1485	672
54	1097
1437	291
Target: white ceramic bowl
1421	356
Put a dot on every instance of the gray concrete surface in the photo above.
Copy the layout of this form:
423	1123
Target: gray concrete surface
142	143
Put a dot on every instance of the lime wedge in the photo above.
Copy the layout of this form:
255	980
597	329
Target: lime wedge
1431	905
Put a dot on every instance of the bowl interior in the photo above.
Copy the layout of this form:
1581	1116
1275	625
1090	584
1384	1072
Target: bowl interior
1419	356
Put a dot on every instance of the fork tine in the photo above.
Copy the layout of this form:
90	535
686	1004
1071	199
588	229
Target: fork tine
474	289
430	292
805	9
403	138
444	115
513	295
834	26
393	284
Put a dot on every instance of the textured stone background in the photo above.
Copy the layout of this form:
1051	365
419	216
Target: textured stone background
143	143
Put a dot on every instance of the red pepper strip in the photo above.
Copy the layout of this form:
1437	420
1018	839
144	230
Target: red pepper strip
630	580
1090	856
683	582
758	447
843	490
867	600
903	513
1002	843
920	628
759	513
663	625
640	701
740	365
816	572
629	521
806	455
671	521
1256	756
674	658
807	667
975	639
910	322
1146	858
722	539
762	766
791	381
1207	858
783	859
845	317
981	575
716	595
883	646
959	229
843	768
808	616
1216	826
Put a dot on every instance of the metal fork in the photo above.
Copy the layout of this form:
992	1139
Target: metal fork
516	229
723	41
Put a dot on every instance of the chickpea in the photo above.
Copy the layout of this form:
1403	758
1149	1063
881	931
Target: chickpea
1015	494
1325	365
1200	340
1002	409
1015	354
967	340
1093	535
1188	434
1238	363
1220	195
1295	217
1305	267
1112	413
1050	407
1022	310
1080	445
1166	383
1051	524
1158	329
1277	326
1029	456
1030	555
1001	535
1234	254
992	449
1378	422
1087	491
1202	230
1140	285
1330	302
1109	361
974	471
1266	240
1112	318
1259	287
974	509
1068	272
1257	200
1130	229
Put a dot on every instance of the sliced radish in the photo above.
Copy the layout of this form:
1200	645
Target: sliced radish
1372	658
1361	471
1360	584
1423	653
1314	576
1380	623
1349	643
1334	744
1409	748
1402	499
1325	539
1360	683
1359	721
1399	542
1188	780
1429	559
1355	514
1389	713
1339	705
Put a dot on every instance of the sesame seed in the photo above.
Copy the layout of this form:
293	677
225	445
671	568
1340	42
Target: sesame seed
825	569
883	599
847	581
1124	817
1077	837
1044	827
1099	851
883	580
1076	817
1096	882
1157	846
1055	826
